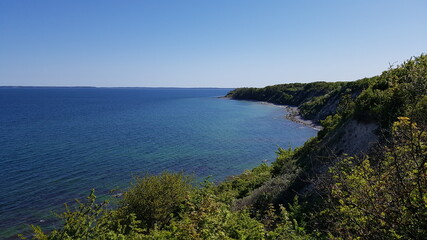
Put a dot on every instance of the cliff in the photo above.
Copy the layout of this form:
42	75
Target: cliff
357	119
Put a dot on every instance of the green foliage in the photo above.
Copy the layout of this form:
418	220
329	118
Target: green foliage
289	94
91	220
287	227
381	98
239	186
419	112
312	107
346	106
269	192
384	197
203	215
285	162
156	199
283	173
394	93
329	124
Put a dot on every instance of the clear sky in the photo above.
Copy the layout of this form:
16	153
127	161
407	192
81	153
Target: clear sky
201	43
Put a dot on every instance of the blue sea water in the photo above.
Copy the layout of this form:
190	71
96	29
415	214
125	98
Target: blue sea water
56	144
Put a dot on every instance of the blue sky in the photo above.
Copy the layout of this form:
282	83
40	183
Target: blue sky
218	43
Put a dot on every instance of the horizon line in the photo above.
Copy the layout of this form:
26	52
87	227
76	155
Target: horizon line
6	86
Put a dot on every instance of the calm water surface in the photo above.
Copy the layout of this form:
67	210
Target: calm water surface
58	143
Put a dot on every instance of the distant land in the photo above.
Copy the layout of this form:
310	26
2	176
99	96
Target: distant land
111	87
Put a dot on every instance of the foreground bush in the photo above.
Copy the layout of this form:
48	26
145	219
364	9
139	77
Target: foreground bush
202	215
155	199
91	220
384	197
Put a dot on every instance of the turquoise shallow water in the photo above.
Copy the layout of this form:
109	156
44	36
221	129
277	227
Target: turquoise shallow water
58	143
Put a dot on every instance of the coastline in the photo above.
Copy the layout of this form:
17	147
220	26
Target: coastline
293	113
295	116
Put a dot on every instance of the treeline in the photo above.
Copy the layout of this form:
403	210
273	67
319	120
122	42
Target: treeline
310	97
316	191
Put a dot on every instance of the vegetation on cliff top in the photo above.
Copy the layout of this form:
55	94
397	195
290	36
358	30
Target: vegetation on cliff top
313	192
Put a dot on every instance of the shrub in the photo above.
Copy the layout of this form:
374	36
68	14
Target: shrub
285	162
329	124
243	184
154	199
91	220
385	196
269	192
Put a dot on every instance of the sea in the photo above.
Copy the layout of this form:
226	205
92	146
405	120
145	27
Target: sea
56	144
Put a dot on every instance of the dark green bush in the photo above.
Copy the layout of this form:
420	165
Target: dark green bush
92	220
285	162
155	199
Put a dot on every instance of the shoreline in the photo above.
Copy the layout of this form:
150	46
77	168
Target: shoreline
292	114
295	116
